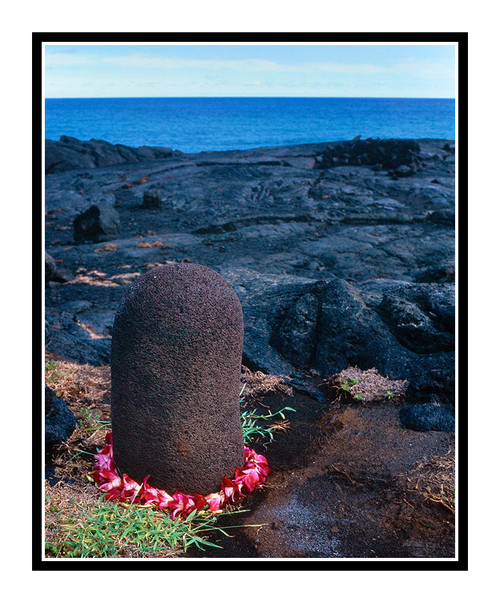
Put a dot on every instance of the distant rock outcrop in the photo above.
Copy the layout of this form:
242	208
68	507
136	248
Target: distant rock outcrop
70	154
388	154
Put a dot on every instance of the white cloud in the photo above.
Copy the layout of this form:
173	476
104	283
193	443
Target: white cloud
145	61
125	75
425	69
68	60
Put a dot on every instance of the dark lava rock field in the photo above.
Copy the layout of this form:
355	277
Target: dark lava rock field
342	254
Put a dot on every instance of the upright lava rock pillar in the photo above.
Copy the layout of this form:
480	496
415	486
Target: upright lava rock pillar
175	374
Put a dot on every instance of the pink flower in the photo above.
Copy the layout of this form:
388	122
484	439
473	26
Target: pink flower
196	502
130	488
230	489
252	475
251	455
251	478
184	504
215	500
154	495
104	461
109	480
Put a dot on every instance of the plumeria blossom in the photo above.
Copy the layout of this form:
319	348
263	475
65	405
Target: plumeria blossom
124	489
215	500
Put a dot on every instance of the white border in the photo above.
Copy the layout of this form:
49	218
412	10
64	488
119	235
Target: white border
315	559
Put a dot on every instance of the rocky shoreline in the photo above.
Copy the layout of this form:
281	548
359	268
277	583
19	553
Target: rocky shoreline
342	254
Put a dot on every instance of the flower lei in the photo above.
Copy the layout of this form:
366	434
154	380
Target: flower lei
123	488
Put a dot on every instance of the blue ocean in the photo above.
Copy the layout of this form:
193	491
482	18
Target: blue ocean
192	125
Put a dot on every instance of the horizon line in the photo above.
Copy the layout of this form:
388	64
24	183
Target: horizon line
213	96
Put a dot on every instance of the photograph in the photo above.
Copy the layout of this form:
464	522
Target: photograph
250	346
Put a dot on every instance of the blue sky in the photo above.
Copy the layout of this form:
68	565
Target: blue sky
400	70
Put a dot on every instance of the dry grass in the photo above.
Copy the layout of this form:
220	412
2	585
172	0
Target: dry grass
354	385
259	385
77	384
86	391
107	247
435	480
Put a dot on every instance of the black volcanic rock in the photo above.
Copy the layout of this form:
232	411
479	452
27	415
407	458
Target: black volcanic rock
70	153
333	265
53	272
99	222
66	335
392	154
427	417
60	422
175	379
420	315
325	325
152	199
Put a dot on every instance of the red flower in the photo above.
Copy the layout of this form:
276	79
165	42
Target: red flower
184	504
230	488
154	496
109	480
130	488
215	500
250	479
252	475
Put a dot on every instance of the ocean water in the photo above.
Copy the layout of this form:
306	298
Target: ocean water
192	125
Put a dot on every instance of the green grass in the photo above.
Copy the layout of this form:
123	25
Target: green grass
256	425
113	529
91	421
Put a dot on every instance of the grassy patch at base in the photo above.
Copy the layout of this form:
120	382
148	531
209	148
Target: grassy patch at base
109	529
79	522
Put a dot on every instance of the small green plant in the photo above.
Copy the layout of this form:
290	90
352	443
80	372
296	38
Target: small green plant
52	372
353	380
252	423
115	529
50	365
253	428
358	398
345	386
91	421
441	497
390	394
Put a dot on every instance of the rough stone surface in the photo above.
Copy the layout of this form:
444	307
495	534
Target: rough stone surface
60	422
70	153
99	222
327	325
152	199
427	417
54	273
176	366
50	268
383	154
307	235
